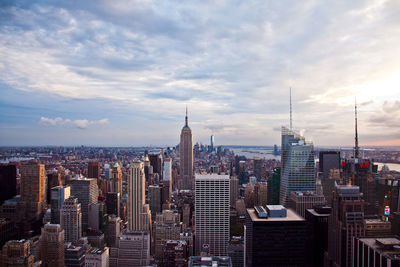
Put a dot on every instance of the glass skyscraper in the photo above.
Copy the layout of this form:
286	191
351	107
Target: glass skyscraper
298	166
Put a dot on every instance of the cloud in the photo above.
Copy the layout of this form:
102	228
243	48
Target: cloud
147	59
80	124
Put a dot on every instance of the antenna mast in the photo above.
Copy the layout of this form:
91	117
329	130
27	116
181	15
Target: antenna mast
356	148
290	108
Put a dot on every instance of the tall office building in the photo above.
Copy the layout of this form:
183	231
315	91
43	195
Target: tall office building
186	180
212	212
298	167
274	236
345	222
71	219
274	186
94	169
166	227
113	230
54	179
155	200
113	203
58	195
138	211
8	181
328	160
87	192
167	169
52	246
211	149
17	253
116	180
32	202
156	162
300	201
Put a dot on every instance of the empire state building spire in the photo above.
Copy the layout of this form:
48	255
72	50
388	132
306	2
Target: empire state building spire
186	118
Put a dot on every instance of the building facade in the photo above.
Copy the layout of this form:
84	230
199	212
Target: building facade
52	246
212	212
71	219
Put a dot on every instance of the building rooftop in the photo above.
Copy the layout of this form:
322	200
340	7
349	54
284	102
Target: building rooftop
290	216
388	246
212	176
210	261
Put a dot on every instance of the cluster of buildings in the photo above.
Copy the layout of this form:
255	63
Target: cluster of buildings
199	205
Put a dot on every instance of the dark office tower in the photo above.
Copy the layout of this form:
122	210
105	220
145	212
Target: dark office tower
273	187
116	180
300	201
17	253
211	147
175	253
363	173
166	193
113	230
58	195
186	178
74	256
52	246
235	250
298	167
346	221
317	235
274	236
395	220
155	200
53	179
156	162
87	192
376	252
328	160
32	201
8	182
257	167
94	169
113	203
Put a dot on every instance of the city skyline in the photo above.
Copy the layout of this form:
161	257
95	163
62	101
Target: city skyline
114	74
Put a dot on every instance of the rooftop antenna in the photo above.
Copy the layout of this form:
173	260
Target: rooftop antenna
356	148
290	108
186	117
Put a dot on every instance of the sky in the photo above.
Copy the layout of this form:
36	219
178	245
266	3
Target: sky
121	73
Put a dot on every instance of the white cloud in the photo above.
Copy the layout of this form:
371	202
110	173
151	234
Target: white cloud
80	124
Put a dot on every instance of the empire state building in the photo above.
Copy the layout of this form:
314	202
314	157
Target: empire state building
186	178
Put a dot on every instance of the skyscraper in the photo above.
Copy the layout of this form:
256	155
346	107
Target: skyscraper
87	192
94	169
116	180
186	180
58	195
8	181
17	253
32	201
298	167
212	212
52	245
71	219
138	211
345	222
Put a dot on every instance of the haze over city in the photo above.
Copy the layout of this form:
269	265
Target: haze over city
120	73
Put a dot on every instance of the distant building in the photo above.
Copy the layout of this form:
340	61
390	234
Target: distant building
273	187
167	169
71	219
74	255
52	246
274	236
156	162
17	253
87	192
155	199
97	257
113	230
8	181
212	212
113	203
377	252
97	216
54	179
234	190
298	167
139	217
94	169
133	249
186	178
257	166
175	253
300	201
209	261
328	160
116	180
58	195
